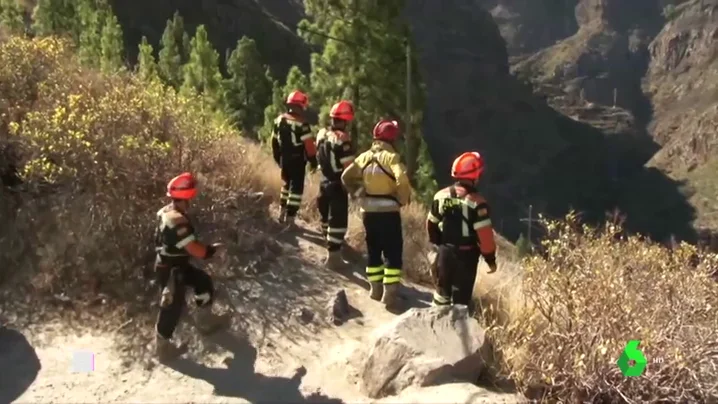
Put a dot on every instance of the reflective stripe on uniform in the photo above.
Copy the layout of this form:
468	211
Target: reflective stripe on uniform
433	219
185	241
375	274
481	224
392	275
439	300
370	202
294	199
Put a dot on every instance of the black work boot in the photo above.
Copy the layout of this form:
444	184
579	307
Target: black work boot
168	351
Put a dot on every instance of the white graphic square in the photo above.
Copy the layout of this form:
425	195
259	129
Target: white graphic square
83	361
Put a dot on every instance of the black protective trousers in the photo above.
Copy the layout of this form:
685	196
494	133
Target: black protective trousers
385	246
457	268
184	275
293	173
333	205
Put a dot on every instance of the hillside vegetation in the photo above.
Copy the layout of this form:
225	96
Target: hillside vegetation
94	144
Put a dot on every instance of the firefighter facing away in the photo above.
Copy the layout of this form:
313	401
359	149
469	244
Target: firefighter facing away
378	178
292	147
334	153
459	227
177	243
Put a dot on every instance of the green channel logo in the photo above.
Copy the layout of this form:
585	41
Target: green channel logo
631	353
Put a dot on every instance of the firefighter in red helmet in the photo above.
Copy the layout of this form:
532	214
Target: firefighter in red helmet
334	153
459	227
177	243
378	178
292	147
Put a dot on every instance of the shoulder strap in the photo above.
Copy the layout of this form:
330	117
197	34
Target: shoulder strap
373	160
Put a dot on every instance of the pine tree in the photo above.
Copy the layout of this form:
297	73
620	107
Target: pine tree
363	59
91	19
296	80
274	109
112	45
12	16
54	17
170	56
146	64
201	73
248	90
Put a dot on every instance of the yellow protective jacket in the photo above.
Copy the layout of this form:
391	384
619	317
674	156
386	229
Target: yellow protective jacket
378	177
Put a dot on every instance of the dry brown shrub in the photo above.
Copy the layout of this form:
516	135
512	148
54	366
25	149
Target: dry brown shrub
592	293
95	154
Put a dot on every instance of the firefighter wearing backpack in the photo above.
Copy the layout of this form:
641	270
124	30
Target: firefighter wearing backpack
292	147
334	153
459	227
378	179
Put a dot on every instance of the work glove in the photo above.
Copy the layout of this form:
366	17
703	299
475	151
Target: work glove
492	267
313	164
212	250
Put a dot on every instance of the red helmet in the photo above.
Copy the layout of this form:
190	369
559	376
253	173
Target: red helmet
297	97
343	110
468	166
386	130
183	186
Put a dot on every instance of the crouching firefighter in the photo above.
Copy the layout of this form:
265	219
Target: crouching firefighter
292	147
177	243
378	178
459	227
334	153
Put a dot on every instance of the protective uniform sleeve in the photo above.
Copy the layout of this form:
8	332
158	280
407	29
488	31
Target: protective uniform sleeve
345	153
352	178
276	152
485	233
403	187
432	223
306	136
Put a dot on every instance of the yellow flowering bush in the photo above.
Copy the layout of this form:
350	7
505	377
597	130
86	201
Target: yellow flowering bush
94	154
592	292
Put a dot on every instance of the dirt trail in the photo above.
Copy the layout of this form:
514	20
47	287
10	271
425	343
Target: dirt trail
273	353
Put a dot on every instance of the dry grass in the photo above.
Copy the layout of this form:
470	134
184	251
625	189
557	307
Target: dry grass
590	294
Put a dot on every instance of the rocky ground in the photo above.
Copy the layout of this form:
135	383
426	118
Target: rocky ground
293	340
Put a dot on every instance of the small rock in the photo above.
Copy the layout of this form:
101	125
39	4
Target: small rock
465	393
305	315
338	307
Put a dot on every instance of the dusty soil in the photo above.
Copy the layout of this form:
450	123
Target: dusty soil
281	347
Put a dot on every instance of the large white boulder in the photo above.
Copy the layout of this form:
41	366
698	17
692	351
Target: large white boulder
423	347
452	393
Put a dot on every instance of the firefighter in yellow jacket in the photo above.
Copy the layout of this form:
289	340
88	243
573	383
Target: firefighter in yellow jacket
378	178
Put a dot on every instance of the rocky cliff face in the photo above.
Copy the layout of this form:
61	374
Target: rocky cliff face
682	84
536	155
530	25
643	72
